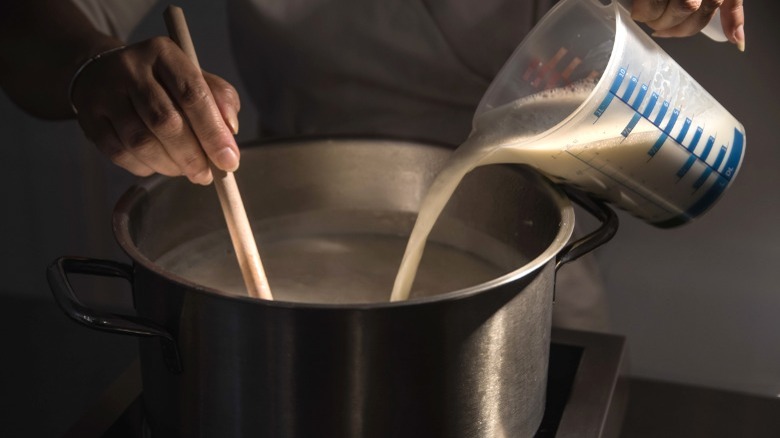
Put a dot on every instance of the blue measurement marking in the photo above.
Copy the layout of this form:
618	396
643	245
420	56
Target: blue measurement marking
630	88
699	182
695	140
631	125
618	80
640	97
612	93
604	104
661	114
657	146
672	121
650	105
686	167
721	156
723	180
706	201
735	156
707	148
684	130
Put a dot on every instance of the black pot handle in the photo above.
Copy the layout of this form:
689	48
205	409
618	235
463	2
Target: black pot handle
57	275
602	235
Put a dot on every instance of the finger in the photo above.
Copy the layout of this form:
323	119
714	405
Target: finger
226	98
676	12
648	10
694	23
138	140
167	124
732	16
190	92
103	135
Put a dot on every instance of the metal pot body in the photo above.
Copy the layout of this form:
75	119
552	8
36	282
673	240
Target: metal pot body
471	367
465	363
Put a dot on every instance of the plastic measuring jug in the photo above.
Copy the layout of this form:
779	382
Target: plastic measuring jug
645	137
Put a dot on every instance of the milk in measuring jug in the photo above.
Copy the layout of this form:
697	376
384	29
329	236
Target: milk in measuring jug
601	157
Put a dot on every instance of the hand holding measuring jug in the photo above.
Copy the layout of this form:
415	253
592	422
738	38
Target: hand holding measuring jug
678	18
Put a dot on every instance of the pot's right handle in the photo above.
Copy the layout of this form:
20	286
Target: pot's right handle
602	235
57	275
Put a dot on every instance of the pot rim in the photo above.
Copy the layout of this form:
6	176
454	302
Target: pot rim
120	219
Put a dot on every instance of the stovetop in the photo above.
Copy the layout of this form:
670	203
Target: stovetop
586	393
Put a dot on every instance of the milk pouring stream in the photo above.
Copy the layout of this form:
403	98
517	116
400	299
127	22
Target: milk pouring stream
504	138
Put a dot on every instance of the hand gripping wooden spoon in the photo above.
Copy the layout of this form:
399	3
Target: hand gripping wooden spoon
225	183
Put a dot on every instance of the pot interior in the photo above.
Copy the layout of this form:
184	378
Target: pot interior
331	219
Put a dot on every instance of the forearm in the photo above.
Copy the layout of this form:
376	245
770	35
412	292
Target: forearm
42	43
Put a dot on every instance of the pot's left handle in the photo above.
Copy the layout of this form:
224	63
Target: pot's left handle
57	275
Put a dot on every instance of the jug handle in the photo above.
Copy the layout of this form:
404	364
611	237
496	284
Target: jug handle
598	237
57	276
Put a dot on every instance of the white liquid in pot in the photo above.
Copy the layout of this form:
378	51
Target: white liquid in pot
355	268
332	269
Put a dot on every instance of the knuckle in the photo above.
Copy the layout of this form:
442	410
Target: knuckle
113	152
688	6
223	88
166	121
228	93
139	169
158	43
213	136
194	163
649	10
119	158
192	93
141	140
169	171
126	161
709	7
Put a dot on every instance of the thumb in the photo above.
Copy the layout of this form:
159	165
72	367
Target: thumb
732	15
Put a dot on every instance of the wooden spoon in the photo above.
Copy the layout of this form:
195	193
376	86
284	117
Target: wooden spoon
227	189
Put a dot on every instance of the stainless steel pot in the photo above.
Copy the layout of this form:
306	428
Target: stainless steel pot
464	363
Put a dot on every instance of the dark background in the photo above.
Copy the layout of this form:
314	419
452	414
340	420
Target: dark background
699	305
